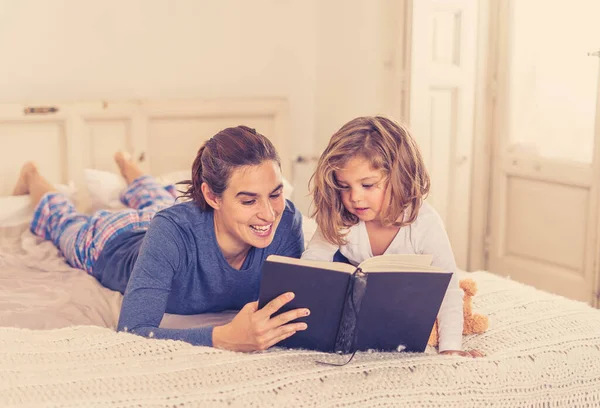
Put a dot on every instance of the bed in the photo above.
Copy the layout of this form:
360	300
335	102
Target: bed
58	346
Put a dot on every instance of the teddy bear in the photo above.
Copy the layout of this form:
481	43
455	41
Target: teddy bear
473	323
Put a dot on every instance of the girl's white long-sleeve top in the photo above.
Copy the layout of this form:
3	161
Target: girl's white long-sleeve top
426	235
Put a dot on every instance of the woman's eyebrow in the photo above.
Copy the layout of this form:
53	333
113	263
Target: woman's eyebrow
246	193
279	187
250	194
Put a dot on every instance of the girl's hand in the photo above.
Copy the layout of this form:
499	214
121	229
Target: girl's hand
471	353
252	329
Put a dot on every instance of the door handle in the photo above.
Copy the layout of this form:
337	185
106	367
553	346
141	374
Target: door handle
39	110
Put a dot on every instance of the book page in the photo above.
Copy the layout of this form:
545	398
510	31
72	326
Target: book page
400	263
332	266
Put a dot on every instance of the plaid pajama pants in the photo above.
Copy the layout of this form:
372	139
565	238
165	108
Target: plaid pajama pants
80	237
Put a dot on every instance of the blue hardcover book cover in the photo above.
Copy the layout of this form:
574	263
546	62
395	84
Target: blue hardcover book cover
388	302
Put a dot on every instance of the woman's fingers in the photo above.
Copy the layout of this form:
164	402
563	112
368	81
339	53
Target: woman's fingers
274	305
287	317
472	353
284	336
281	333
250	307
456	353
269	331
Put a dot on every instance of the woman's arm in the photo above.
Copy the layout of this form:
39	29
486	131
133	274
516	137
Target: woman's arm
145	301
163	254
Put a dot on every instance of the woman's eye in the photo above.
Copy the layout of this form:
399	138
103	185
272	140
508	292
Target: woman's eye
368	185
248	202
274	196
343	187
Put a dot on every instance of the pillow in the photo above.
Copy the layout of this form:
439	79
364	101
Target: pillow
17	210
174	177
105	187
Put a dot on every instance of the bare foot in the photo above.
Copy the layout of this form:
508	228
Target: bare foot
22	186
128	168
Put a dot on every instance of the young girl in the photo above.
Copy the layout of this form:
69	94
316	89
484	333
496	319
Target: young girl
368	192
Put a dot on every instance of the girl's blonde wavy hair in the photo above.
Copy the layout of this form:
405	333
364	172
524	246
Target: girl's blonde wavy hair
388	146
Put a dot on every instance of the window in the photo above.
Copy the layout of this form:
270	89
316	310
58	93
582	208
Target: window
553	83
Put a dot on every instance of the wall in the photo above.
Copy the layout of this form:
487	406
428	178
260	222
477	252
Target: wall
360	57
331	59
359	62
160	49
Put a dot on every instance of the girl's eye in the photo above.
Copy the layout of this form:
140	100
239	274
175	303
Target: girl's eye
248	202
343	187
274	196
368	185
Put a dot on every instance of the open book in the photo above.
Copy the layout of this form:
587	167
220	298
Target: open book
388	302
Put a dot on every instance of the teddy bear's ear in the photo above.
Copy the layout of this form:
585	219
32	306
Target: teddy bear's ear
469	286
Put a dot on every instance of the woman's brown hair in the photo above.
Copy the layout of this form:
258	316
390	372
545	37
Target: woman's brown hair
388	146
219	156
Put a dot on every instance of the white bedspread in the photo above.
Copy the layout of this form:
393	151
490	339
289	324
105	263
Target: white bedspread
542	350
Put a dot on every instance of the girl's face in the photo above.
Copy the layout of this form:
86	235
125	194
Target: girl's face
249	210
362	188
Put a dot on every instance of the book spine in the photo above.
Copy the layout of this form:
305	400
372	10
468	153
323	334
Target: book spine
345	341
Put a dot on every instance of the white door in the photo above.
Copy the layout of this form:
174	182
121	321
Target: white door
545	171
442	91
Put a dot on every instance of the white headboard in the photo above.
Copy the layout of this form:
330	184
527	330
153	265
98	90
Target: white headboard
65	138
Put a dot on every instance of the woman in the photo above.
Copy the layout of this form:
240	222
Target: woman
200	256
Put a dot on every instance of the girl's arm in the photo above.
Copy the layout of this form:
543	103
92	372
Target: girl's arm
319	249
433	239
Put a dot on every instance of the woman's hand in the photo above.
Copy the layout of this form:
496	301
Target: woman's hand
471	353
252	329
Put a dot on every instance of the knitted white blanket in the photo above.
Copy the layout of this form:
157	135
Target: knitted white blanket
542	350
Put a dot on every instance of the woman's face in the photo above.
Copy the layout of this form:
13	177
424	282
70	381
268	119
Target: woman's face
250	209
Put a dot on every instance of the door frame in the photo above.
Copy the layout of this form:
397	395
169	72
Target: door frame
485	99
453	80
596	245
